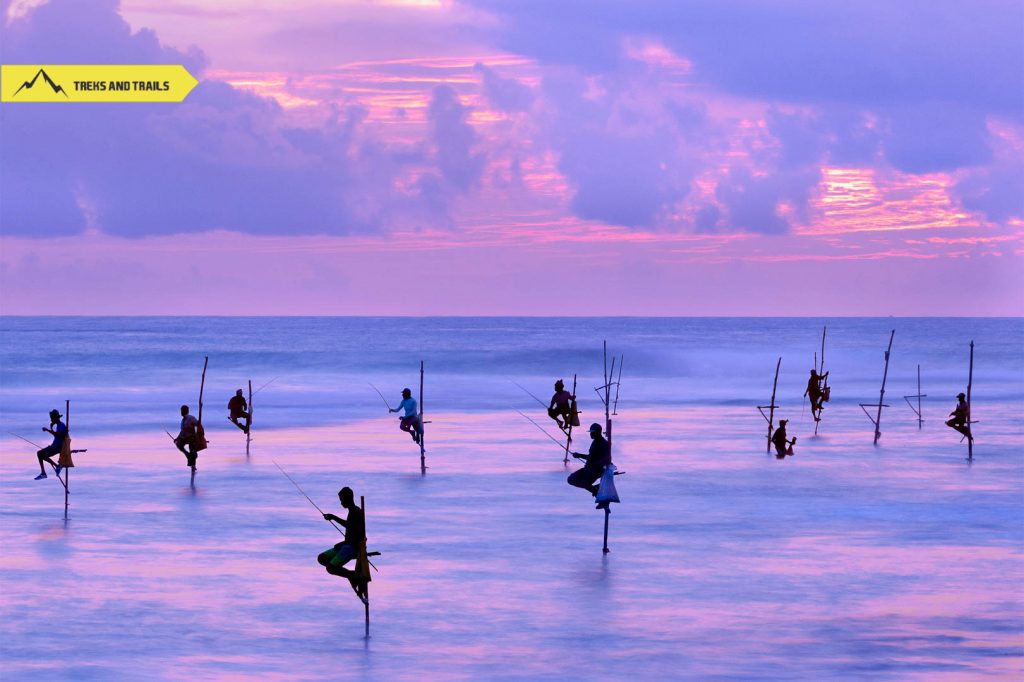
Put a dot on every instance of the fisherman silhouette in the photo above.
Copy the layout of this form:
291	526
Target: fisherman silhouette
237	407
783	447
599	456
188	437
410	422
561	406
960	417
59	432
334	559
815	394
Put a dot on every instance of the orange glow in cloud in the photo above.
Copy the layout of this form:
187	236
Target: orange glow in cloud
859	200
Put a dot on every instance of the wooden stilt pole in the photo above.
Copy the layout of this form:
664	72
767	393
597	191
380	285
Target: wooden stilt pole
568	431
422	427
770	417
877	419
607	509
920	418
248	426
366	587
618	384
607	513
67	470
824	384
881	393
917	410
970	381
202	386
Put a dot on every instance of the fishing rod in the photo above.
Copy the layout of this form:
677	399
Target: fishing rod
560	445
386	403
37	445
542	403
333	524
306	496
265	385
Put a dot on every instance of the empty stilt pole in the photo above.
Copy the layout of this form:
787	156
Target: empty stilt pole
770	417
917	410
877	419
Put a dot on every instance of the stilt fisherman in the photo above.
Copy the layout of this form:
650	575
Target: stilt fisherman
960	421
410	421
560	407
188	437
59	432
238	409
599	456
815	393
335	558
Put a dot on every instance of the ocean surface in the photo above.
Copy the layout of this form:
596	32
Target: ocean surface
846	561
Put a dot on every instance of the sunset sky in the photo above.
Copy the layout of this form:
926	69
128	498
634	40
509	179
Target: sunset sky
526	157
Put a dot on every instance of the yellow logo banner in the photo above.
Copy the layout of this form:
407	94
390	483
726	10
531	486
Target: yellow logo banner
95	83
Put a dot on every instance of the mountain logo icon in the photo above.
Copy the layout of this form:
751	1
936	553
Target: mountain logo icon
46	77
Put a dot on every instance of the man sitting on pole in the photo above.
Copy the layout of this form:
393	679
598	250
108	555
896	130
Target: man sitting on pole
599	456
815	394
561	406
59	432
410	421
237	407
334	559
960	416
188	436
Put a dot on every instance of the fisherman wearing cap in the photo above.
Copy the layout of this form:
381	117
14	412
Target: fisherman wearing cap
410	422
335	558
780	442
815	394
596	460
238	407
561	405
961	417
187	436
59	431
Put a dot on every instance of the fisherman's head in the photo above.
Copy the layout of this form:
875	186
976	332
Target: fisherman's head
595	431
559	385
54	416
782	423
406	393
346	497
184	410
814	372
961	396
238	392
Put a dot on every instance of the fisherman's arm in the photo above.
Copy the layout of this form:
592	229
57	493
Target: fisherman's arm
337	519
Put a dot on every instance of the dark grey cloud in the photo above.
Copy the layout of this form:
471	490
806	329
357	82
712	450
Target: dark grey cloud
454	139
504	94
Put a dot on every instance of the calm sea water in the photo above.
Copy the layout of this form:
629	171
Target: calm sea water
844	561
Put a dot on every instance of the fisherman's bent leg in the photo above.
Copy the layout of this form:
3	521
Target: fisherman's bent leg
583	478
342	555
325	557
45	454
